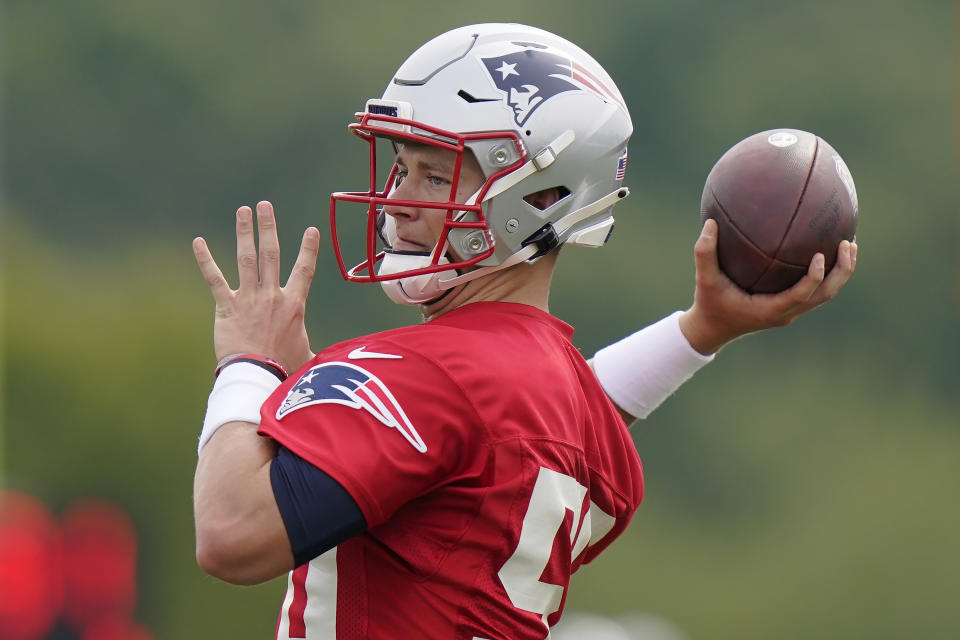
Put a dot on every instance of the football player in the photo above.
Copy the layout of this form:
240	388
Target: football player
445	480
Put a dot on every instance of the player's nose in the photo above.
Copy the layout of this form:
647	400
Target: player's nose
401	211
401	202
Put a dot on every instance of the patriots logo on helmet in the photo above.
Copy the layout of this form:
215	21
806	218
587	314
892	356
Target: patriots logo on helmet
351	386
531	77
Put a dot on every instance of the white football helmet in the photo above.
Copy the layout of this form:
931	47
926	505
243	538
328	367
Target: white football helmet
537	112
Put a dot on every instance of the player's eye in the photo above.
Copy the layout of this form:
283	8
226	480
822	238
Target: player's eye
437	181
399	177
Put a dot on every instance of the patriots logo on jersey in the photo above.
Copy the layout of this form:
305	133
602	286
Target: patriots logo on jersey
531	77
351	386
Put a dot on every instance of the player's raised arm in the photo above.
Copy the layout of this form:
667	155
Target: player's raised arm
780	199
641	371
258	333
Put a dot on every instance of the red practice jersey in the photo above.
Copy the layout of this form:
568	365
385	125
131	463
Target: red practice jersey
487	461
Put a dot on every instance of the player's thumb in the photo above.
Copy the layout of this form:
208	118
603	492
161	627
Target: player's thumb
709	230
705	251
707	242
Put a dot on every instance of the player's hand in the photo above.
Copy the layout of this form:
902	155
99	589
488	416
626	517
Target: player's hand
260	316
722	311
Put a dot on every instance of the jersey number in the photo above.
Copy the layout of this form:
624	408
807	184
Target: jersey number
553	494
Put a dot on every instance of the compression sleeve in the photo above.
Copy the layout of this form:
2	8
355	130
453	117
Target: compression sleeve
644	369
317	512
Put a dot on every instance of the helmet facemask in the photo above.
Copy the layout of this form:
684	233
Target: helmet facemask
465	238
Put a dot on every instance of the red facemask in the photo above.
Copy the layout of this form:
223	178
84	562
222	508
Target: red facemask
458	215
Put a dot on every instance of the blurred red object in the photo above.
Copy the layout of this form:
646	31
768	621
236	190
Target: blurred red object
31	585
116	628
100	559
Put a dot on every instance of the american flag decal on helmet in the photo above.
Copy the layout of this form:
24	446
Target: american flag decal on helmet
622	165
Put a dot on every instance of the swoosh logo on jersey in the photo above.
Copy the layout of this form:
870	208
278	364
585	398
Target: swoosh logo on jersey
351	386
361	352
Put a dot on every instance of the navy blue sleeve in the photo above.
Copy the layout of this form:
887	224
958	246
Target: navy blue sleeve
317	511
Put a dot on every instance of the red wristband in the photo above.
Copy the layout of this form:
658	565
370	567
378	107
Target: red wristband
265	362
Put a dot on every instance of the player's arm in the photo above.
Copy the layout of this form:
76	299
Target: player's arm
639	372
260	510
241	535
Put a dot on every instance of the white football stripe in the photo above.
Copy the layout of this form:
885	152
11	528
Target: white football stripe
320	614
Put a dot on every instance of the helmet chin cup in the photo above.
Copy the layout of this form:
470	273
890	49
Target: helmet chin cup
411	289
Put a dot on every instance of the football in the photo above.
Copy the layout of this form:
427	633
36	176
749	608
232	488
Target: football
779	197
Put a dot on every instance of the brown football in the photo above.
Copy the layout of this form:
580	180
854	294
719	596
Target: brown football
779	197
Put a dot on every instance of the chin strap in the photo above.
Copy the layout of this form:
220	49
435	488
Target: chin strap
574	218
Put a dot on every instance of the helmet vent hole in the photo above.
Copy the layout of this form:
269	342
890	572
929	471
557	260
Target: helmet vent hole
546	198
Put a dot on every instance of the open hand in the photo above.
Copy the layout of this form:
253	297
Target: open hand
260	316
722	311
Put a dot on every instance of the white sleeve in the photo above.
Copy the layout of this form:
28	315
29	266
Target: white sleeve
641	371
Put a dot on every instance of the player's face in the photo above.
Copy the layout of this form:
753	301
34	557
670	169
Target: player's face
426	173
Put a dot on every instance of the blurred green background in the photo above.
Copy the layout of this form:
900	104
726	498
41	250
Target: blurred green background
804	485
